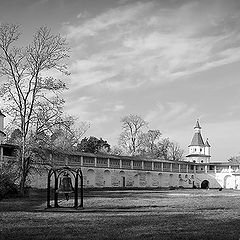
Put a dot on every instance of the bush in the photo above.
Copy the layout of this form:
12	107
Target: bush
7	186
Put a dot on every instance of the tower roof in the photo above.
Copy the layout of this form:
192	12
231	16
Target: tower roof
3	133
1	114
197	125
197	140
207	143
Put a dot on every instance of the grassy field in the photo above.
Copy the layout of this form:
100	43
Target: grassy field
173	214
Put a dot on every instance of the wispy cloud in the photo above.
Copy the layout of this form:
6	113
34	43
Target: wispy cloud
107	20
140	42
170	113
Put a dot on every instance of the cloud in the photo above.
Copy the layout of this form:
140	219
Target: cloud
170	114
90	109
107	20
82	15
133	44
114	107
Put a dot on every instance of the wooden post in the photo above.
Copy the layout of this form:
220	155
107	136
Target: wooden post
76	191
81	161
131	164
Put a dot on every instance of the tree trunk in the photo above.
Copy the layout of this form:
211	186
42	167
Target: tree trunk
22	186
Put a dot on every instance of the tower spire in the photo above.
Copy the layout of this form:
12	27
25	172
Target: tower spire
197	124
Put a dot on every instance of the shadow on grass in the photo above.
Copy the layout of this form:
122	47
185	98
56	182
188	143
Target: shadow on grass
27	204
185	215
121	226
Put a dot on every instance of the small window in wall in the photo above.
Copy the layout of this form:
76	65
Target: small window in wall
192	176
195	149
200	149
211	167
201	161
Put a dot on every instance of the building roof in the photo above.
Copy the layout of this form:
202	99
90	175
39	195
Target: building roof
197	125
197	140
207	143
224	164
105	155
1	132
8	145
1	114
198	155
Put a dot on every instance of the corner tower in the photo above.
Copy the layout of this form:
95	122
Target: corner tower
198	151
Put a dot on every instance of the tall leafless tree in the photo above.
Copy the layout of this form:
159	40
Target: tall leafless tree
130	138
149	142
28	80
175	152
169	150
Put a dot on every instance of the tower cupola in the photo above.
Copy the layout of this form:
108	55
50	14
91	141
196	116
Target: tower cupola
198	151
197	127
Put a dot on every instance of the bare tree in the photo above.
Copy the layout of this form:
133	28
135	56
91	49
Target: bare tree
27	82
163	148
132	126
118	150
175	152
234	159
149	142
169	150
52	132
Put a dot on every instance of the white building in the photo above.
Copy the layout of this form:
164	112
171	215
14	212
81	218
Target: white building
198	151
7	151
210	174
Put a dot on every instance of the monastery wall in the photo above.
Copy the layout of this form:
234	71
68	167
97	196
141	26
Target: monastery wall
144	174
119	178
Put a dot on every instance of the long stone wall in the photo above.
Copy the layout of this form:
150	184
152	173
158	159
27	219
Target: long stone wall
132	172
105	177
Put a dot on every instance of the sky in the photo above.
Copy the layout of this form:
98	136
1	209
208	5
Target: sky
169	61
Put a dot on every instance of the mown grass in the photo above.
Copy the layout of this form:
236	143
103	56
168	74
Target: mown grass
178	214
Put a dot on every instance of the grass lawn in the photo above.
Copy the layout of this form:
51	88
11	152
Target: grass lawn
145	214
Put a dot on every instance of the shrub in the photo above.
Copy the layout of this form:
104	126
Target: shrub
7	186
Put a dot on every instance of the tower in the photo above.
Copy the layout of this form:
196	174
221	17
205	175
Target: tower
2	134
198	151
